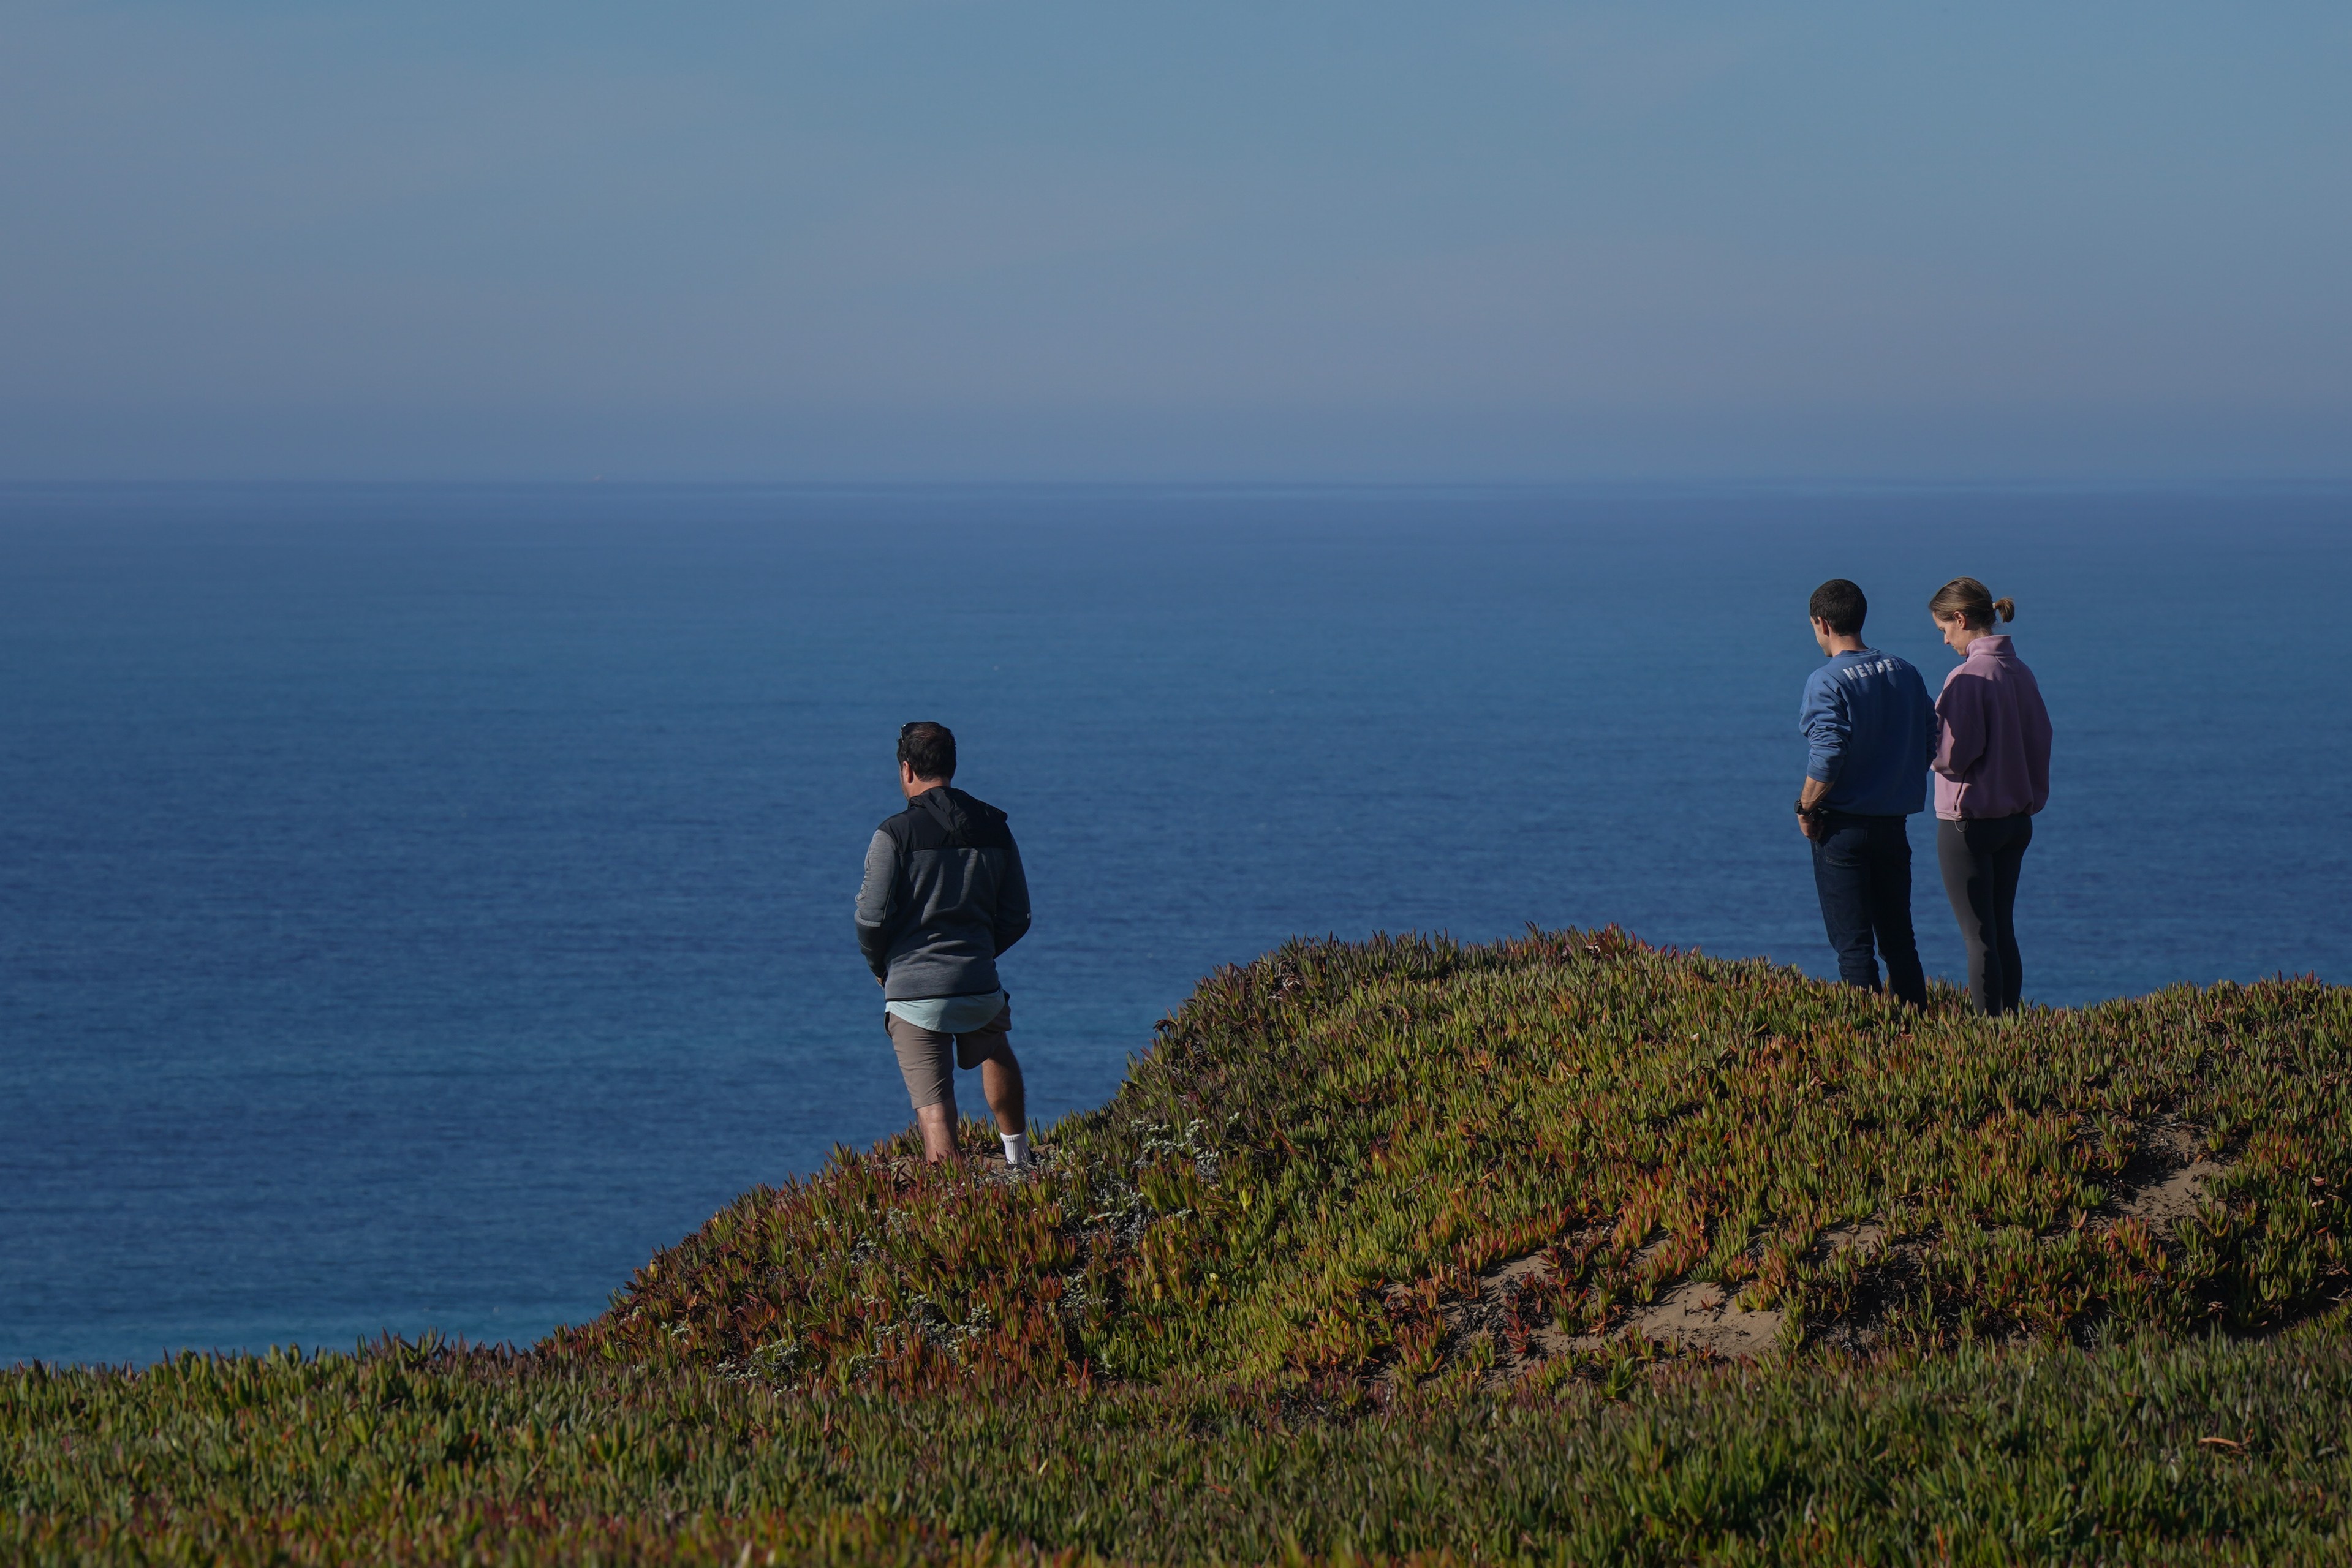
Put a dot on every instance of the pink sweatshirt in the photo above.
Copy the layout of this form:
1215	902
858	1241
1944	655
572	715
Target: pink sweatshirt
1992	750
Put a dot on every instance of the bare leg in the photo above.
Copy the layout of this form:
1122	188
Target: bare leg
937	1123
1000	1080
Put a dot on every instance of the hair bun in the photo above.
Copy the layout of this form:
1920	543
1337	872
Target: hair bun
2005	608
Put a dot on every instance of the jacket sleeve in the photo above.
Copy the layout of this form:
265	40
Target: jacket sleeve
1960	727
1011	899
1827	729
877	911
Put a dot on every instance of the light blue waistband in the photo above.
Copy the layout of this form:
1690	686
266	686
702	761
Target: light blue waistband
949	1015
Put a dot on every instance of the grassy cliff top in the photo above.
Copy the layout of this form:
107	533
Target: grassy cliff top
1562	1250
1360	1166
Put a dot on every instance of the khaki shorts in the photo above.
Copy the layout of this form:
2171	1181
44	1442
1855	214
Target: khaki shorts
927	1063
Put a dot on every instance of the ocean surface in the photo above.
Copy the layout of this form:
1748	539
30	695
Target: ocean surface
418	905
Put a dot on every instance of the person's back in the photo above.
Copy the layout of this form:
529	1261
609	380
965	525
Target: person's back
948	895
1870	726
943	897
1869	732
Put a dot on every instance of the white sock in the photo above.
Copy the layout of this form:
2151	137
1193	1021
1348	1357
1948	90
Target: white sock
1016	1149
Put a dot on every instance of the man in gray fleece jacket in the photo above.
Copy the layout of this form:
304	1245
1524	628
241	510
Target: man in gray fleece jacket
943	895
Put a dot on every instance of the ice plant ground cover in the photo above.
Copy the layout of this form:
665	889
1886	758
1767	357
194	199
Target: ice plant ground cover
1367	1258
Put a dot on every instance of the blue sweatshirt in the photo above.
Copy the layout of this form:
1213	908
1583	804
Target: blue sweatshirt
1872	728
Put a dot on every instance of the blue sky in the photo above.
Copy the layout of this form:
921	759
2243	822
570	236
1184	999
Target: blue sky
915	239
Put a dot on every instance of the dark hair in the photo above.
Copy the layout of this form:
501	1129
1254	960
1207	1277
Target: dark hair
1841	604
1972	602
928	749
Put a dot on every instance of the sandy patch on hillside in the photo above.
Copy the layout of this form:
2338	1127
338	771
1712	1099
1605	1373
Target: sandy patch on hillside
2163	1203
1696	1315
2161	1189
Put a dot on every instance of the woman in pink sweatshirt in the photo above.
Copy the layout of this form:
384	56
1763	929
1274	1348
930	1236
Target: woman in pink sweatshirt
1993	774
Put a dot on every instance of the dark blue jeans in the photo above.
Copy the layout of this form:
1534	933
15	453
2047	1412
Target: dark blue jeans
1862	868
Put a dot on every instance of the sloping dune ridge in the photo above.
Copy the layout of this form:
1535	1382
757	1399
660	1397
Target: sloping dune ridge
1407	1160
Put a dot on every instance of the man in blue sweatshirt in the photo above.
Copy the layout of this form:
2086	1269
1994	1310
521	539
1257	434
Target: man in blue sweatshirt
1871	728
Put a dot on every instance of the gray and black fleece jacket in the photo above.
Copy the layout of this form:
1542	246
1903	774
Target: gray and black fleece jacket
944	894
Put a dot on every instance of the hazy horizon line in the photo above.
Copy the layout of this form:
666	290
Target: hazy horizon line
2118	484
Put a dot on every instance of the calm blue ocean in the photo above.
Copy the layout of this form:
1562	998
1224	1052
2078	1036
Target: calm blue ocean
417	906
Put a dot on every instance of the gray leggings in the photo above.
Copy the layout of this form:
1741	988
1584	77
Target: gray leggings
1980	857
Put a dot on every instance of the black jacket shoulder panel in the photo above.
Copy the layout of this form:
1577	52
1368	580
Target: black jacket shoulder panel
948	819
913	830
